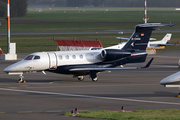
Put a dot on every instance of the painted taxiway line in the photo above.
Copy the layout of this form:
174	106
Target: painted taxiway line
22	112
87	96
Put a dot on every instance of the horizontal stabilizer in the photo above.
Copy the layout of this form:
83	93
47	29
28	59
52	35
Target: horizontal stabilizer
155	25
121	38
152	39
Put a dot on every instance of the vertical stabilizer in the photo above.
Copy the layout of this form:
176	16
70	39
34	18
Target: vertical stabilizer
142	33
166	38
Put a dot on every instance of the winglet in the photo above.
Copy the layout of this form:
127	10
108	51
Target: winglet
149	63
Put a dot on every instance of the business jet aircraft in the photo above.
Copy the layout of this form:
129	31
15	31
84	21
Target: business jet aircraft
165	41
88	62
172	81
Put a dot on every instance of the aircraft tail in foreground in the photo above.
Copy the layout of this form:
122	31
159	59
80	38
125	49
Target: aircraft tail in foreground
141	36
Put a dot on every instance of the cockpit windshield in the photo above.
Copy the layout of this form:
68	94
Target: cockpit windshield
30	57
36	57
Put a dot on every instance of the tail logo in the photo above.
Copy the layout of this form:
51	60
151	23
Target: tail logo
132	44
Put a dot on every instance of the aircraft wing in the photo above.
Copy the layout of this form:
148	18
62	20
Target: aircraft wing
165	44
171	44
118	68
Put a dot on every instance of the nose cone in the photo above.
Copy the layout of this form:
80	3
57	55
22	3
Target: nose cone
10	68
14	67
174	78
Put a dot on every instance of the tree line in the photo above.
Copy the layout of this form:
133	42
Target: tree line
106	3
18	8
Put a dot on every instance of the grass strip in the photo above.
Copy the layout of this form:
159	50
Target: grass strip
70	21
39	43
166	114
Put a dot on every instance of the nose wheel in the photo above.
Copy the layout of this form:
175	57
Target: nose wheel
21	79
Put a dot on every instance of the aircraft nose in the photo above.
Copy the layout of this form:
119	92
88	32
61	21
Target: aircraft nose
14	67
171	79
6	69
10	69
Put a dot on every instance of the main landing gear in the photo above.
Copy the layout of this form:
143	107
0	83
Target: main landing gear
21	79
80	78
93	75
95	79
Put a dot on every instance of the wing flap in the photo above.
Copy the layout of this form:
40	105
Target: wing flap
102	69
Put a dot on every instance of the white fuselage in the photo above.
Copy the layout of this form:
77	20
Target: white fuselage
50	60
89	62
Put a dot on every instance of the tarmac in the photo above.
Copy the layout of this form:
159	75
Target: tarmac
50	96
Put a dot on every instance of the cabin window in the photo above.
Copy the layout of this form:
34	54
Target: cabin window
60	57
81	56
74	57
67	56
29	57
36	57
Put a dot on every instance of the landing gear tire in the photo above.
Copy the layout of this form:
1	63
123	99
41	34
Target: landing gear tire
21	79
80	78
95	79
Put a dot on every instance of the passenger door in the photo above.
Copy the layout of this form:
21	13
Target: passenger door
52	61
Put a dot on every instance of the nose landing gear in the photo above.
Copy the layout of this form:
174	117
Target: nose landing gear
21	79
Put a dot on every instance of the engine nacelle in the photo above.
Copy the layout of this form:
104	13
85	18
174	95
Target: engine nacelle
113	54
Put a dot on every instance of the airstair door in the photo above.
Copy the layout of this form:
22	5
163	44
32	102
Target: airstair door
52	61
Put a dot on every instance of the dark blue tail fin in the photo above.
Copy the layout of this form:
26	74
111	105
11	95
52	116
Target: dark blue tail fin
141	36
